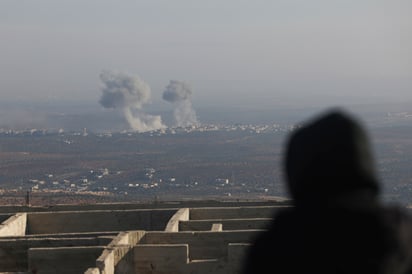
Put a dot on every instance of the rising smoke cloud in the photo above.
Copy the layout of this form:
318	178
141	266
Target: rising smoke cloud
179	93
129	94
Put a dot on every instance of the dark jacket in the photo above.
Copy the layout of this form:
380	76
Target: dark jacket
334	241
337	223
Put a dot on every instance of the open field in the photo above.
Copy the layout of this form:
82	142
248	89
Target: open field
237	164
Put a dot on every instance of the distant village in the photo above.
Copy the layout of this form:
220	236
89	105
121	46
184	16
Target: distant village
223	168
89	184
163	131
100	181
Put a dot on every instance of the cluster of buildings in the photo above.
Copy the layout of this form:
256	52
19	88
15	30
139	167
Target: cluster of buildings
96	182
251	128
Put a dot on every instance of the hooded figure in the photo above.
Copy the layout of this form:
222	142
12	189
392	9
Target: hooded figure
337	223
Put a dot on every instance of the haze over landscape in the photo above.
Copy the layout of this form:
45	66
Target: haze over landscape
236	75
230	52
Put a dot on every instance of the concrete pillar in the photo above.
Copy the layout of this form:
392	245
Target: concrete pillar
105	262
14	226
173	224
92	270
217	227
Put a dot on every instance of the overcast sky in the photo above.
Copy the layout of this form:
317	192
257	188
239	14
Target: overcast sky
227	50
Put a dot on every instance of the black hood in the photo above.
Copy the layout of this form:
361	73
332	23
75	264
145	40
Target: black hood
329	158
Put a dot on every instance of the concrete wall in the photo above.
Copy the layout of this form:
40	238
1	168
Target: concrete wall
231	224
4	217
105	262
91	241
118	256
92	270
142	205
181	215
164	258
87	221
237	256
14	252
108	234
202	244
233	212
217	227
14	225
183	252
63	260
174	258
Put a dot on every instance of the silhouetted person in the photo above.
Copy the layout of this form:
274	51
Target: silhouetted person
337	223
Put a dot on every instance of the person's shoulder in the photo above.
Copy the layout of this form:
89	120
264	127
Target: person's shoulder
399	221
397	215
280	220
270	244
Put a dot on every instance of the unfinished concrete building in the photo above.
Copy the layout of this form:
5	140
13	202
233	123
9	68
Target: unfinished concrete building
169	237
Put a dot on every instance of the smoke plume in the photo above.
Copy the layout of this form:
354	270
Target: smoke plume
179	93
121	91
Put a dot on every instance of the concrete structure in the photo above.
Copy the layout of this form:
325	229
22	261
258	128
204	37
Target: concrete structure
170	237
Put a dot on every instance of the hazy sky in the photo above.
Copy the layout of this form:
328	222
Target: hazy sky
234	50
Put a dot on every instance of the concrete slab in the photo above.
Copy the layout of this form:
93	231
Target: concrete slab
15	225
63	260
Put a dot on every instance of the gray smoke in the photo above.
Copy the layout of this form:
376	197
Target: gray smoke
179	93
121	91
